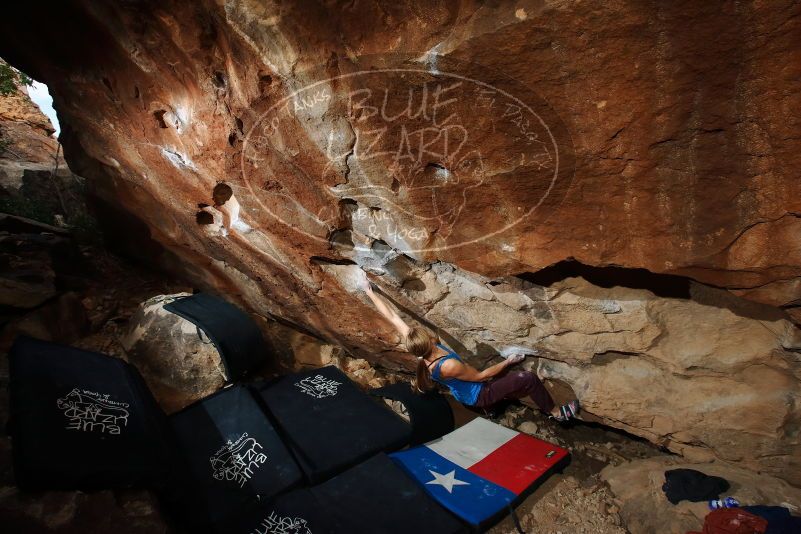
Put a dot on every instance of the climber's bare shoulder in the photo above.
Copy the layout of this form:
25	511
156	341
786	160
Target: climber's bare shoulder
453	368
447	368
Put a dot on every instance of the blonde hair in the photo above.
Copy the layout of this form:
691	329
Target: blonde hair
420	343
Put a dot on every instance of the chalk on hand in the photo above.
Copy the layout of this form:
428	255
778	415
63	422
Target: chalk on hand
350	277
515	358
511	350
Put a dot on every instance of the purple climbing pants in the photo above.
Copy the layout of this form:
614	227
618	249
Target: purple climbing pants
515	385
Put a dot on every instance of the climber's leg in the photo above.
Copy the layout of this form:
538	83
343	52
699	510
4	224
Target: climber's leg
516	385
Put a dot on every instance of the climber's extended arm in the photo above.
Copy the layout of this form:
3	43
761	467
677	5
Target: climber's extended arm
384	308
464	371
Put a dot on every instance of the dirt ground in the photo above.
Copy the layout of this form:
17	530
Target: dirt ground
563	505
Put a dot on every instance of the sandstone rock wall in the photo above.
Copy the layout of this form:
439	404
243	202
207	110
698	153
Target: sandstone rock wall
635	134
35	181
27	136
26	129
707	376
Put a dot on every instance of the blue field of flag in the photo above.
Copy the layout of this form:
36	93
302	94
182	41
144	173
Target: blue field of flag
469	496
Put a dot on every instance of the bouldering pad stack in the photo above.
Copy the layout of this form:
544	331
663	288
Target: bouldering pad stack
232	458
82	420
306	452
374	497
329	423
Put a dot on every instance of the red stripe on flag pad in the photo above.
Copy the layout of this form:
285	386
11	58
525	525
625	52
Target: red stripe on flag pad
519	462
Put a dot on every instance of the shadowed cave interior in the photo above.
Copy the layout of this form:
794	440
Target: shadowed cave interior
236	187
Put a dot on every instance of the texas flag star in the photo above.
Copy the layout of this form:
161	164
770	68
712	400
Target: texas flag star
447	481
494	466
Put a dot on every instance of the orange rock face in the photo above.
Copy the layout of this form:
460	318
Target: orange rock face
399	135
672	127
27	134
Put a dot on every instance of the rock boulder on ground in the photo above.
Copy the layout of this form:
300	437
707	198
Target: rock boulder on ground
178	361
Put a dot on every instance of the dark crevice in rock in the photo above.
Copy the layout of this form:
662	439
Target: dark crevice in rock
719	298
347	207
662	285
271	185
623	434
342	239
614	136
265	80
414	284
159	115
609	356
381	247
219	80
204	217
107	83
321	260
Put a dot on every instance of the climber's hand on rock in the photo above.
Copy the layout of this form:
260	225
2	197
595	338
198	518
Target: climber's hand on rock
515	358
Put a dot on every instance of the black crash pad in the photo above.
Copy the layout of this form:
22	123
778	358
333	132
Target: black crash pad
375	497
233	332
82	420
329	423
233	458
430	414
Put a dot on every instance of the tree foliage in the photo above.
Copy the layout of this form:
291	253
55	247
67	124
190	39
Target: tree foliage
11	78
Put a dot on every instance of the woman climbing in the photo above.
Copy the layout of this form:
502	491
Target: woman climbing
482	389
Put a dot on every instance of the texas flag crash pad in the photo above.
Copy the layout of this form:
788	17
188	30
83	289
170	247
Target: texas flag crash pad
482	468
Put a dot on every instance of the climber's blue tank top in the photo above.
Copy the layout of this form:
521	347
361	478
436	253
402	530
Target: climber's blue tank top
462	390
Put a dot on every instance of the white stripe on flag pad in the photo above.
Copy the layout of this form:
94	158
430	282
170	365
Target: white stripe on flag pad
471	443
